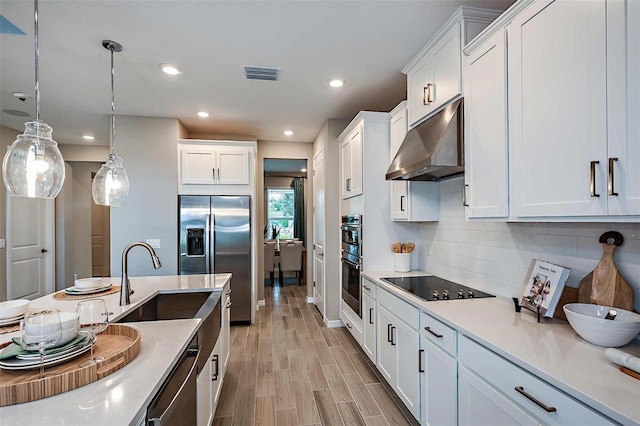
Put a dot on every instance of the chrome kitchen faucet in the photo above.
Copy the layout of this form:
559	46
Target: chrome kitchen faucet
125	285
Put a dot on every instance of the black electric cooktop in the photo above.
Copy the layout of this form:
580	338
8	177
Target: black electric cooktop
434	288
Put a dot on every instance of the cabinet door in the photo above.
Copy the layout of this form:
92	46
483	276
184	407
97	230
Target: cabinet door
232	167
439	385
417	87
345	159
486	152
557	94
407	346
369	329
481	404
225	327
198	165
356	162
204	396
623	103
399	200
387	360
215	377
445	59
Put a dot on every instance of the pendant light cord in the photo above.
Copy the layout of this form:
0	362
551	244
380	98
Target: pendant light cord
112	141
37	58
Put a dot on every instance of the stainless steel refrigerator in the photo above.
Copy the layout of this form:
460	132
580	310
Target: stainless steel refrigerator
215	237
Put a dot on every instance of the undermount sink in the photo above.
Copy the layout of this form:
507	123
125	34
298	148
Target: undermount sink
171	306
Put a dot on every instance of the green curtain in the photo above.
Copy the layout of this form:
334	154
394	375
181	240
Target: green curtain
298	206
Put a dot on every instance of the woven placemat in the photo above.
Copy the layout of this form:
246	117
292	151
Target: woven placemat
62	295
9	328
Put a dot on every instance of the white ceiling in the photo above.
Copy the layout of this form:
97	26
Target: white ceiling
365	42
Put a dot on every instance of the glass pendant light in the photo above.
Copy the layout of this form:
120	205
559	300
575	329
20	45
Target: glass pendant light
33	166
111	185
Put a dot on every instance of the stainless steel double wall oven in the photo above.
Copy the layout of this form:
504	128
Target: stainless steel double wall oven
351	231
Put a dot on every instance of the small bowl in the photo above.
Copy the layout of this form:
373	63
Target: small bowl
13	308
69	324
87	283
588	321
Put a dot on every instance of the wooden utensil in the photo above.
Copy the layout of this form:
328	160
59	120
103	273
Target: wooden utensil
410	247
403	248
605	285
396	247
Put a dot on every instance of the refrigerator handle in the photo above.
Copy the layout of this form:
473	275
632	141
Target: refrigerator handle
212	245
207	237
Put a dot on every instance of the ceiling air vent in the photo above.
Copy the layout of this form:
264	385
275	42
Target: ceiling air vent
261	73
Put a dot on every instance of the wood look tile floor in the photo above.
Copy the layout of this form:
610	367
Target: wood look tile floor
290	369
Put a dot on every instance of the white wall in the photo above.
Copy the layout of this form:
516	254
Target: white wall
495	256
7	136
149	149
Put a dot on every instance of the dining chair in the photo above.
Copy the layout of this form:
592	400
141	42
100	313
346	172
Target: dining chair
269	257
291	260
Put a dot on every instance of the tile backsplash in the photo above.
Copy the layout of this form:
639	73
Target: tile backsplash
495	256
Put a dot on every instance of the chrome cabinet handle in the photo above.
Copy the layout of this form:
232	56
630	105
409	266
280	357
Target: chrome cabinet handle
219	177
365	287
439	336
370	315
393	342
214	173
420	368
427	94
612	191
464	196
214	377
430	96
592	178
520	390
401	203
389	333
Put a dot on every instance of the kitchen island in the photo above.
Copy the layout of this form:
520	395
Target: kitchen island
122	397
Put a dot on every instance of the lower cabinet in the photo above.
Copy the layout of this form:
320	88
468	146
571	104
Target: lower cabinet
352	322
369	327
398	345
438	385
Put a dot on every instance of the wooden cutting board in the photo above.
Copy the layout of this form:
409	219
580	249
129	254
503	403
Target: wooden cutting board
605	285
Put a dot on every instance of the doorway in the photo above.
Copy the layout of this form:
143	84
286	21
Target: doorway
100	239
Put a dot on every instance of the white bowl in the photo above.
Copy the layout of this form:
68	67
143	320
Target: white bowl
69	323
86	283
588	321
13	308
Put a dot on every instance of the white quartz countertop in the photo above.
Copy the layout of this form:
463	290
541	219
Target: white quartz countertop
551	349
122	397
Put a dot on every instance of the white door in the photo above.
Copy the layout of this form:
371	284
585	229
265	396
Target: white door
318	231
30	247
399	200
485	96
445	57
355	186
204	396
405	341
232	167
198	165
439	385
558	109
345	168
417	81
369	328
387	357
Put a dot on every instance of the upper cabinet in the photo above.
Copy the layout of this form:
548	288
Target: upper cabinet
351	160
410	201
434	76
485	121
209	166
573	93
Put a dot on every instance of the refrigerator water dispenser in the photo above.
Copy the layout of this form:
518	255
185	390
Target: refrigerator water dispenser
195	242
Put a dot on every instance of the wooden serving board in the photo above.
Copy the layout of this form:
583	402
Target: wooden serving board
118	344
605	285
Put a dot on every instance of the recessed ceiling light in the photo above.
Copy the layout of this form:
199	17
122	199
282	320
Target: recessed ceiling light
336	82
288	132
202	114
88	137
170	69
303	170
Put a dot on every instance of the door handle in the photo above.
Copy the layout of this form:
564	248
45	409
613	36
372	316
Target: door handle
370	315
44	251
389	333
401	203
592	178
427	94
219	177
520	390
393	343
464	196
214	173
612	191
420	369
439	336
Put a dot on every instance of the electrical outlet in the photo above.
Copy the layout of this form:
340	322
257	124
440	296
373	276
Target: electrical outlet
155	243
2	243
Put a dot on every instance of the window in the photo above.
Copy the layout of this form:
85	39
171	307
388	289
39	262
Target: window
280	213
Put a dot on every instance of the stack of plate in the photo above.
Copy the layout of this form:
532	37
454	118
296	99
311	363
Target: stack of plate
52	356
86	286
12	311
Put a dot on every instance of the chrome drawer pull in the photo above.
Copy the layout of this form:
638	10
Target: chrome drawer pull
370	315
420	369
592	178
365	287
548	409
439	336
393	343
612	191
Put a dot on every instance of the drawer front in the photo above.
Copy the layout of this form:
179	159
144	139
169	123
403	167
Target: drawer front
522	387
399	308
369	288
354	327
438	333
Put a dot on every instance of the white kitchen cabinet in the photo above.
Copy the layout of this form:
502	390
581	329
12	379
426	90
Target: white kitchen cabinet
486	144
217	374
398	352
352	321
352	164
410	201
558	109
369	327
438	385
225	329
204	395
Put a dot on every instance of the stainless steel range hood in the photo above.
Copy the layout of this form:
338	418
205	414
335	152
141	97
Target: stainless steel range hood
434	149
